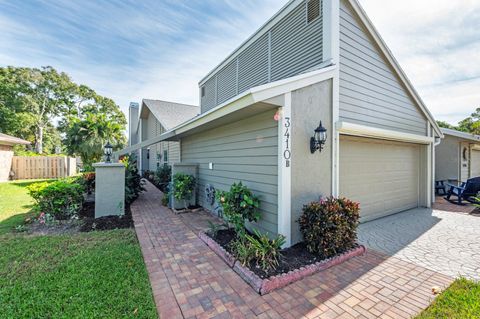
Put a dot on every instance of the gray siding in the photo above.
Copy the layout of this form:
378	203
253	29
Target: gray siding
290	47
243	151
153	128
370	91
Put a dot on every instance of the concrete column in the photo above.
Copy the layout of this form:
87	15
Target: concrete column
109	189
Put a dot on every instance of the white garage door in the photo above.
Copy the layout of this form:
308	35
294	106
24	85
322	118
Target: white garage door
475	163
383	176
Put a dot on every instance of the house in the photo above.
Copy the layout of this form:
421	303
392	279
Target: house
314	61
151	119
457	158
6	154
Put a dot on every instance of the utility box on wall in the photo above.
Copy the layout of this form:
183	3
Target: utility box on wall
188	169
109	189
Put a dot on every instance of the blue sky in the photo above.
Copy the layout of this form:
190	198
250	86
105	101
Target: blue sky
129	50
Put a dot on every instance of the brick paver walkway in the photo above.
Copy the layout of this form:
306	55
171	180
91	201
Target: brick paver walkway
190	281
446	206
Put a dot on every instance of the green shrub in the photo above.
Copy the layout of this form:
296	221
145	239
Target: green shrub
258	248
163	177
183	187
239	204
133	181
329	227
88	181
62	199
165	200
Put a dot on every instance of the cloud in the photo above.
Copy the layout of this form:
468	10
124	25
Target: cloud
129	50
437	43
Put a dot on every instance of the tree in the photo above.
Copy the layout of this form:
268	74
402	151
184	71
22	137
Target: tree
97	123
471	124
31	98
445	125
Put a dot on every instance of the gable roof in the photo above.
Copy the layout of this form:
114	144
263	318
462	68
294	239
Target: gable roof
291	5
394	63
464	135
169	114
12	140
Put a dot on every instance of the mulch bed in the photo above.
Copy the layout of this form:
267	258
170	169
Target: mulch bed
90	223
292	258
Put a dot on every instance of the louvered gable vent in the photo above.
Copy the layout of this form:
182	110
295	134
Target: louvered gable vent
313	10
292	46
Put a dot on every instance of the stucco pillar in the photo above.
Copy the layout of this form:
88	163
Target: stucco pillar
109	189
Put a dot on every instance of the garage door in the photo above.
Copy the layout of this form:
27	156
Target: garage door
475	163
383	176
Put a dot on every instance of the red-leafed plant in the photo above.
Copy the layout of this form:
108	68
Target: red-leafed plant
329	226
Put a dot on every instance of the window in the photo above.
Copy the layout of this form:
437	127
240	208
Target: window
313	10
203	91
165	156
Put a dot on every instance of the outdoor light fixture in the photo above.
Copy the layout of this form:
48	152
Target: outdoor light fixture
318	139
107	150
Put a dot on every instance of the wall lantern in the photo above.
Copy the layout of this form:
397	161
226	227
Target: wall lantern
108	150
318	139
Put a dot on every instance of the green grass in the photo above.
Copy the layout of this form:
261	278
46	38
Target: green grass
459	301
89	275
15	204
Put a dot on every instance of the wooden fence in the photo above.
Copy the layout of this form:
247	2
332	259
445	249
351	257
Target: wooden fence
32	167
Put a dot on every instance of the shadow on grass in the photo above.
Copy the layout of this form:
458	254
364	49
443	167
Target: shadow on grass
8	225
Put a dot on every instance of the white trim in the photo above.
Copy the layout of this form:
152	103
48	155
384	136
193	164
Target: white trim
464	135
429	168
327	30
334	6
241	101
283	12
393	62
348	128
285	170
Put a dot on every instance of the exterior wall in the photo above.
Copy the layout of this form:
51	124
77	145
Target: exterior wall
6	155
464	163
447	159
244	151
132	123
370	91
289	47
152	128
311	173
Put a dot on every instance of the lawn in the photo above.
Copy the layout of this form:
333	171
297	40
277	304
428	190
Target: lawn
459	301
14	204
87	275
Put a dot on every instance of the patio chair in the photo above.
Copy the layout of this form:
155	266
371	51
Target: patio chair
466	191
440	187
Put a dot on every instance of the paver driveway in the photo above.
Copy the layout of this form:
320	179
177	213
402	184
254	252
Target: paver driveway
445	242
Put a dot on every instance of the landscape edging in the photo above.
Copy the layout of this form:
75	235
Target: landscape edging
264	286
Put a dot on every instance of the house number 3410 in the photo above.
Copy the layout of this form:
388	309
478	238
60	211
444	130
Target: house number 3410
287	153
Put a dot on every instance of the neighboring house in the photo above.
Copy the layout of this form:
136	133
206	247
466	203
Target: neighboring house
153	118
312	61
6	154
457	158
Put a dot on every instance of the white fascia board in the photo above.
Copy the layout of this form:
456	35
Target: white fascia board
348	128
393	62
284	11
252	96
464	135
258	94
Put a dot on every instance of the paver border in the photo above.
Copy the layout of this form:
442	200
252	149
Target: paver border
264	286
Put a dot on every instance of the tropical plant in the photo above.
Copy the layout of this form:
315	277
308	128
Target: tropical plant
183	187
134	184
163	177
62	199
239	204
329	226
258	249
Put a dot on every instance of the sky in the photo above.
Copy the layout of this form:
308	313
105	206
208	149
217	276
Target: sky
160	49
